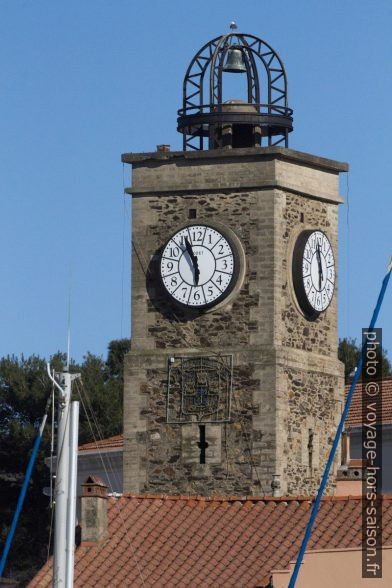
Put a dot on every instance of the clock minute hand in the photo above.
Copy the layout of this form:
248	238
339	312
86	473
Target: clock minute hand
197	272
320	267
194	260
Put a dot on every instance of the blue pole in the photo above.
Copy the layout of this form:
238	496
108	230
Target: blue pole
22	496
337	436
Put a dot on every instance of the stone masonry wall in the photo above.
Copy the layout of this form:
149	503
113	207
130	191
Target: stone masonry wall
169	327
309	382
312	407
167	455
287	378
319	336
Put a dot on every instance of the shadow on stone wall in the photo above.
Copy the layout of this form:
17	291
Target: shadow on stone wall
159	298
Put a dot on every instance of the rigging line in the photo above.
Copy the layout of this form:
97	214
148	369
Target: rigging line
122	269
106	461
52	449
108	458
99	433
100	437
226	452
51	503
88	409
125	216
115	498
92	413
50	533
348	252
247	441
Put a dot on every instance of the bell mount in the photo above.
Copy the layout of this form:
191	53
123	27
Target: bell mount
235	123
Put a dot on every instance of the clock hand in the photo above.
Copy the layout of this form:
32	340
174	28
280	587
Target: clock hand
189	249
194	260
320	267
197	272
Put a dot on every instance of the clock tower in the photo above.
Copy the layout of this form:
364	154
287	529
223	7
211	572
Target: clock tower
233	385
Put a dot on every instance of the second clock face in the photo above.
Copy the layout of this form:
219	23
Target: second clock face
314	272
198	265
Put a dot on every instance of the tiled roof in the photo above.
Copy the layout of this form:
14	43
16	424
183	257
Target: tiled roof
115	442
354	417
180	541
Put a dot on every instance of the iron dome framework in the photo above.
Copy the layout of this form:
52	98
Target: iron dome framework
198	119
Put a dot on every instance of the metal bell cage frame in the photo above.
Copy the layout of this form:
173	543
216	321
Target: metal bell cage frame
195	118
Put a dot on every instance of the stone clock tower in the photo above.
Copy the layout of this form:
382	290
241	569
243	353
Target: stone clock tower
233	385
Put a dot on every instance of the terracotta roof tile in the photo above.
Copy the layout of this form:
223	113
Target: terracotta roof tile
354	417
179	541
115	442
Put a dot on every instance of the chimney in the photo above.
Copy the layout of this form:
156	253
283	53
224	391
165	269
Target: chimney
346	447
163	148
94	510
352	472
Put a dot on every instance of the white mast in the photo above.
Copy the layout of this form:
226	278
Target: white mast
65	486
72	492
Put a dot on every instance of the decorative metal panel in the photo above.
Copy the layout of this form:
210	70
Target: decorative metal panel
199	389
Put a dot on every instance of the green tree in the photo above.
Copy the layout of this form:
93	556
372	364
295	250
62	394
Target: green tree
117	350
349	353
24	390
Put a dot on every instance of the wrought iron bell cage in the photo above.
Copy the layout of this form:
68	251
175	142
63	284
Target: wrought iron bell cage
235	123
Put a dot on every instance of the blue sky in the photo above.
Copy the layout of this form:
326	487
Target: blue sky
83	82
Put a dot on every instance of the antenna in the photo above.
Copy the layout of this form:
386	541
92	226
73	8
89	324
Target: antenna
68	345
69	322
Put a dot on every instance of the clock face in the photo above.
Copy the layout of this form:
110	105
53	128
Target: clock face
313	272
198	266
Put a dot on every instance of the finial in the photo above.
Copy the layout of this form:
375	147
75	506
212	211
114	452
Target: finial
233	26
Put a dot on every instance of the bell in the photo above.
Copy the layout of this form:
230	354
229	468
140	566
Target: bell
235	62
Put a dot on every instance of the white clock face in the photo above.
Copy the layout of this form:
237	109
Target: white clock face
318	270
198	265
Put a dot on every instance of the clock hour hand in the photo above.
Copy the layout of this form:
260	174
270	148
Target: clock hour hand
320	267
194	260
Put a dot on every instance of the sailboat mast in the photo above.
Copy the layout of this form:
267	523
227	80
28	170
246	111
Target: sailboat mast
61	484
72	492
66	482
